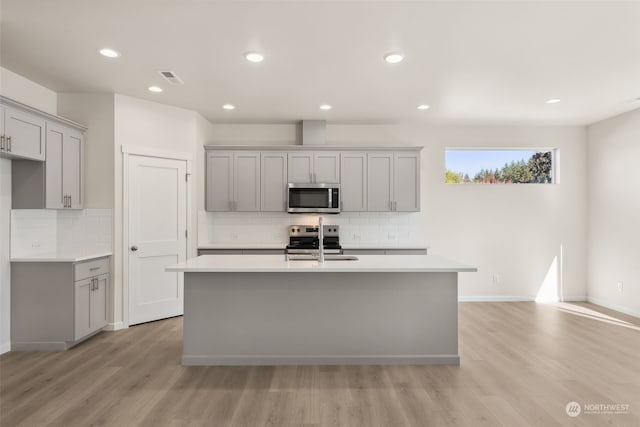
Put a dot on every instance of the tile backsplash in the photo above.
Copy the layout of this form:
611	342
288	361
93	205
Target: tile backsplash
39	232
356	228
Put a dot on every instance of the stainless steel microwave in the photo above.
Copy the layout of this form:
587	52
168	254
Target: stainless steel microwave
313	198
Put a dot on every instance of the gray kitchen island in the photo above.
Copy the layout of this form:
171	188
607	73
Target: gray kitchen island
266	310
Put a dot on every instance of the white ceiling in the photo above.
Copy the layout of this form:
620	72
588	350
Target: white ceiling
473	62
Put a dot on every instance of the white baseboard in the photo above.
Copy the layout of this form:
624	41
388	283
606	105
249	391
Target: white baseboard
514	298
5	347
621	309
115	326
494	298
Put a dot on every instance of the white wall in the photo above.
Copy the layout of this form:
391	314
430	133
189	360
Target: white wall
162	127
5	265
512	231
27	92
23	90
96	111
614	212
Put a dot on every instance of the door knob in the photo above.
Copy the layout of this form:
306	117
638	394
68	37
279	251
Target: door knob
134	248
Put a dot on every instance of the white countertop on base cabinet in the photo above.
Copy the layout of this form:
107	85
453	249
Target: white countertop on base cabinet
278	264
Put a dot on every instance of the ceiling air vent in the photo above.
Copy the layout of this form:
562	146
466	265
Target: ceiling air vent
171	77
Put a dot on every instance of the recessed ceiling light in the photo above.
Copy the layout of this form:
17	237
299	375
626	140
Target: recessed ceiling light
229	107
393	57
423	107
254	56
552	101
109	53
326	107
156	89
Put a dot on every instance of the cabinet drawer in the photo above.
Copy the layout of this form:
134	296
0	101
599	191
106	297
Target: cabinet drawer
91	268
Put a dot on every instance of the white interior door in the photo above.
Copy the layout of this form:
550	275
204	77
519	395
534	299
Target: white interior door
157	237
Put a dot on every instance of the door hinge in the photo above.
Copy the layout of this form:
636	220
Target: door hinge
185	233
186	176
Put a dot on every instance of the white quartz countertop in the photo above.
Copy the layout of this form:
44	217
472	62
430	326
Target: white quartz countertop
278	264
374	246
282	246
61	257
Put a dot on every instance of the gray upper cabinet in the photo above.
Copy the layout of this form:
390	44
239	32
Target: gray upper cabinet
306	167
273	193
47	157
219	184
406	182
371	179
353	181
393	181
63	167
380	181
233	181
300	167
246	168
56	183
22	135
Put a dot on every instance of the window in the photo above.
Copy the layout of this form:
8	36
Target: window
499	166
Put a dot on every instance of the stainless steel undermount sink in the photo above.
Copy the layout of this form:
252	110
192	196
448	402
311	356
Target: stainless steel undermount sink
326	258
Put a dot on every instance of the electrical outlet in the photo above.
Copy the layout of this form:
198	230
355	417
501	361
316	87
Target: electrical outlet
619	286
234	236
496	279
35	245
356	236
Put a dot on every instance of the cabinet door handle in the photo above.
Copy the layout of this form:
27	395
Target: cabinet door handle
9	143
395	206
94	268
70	199
1	142
64	201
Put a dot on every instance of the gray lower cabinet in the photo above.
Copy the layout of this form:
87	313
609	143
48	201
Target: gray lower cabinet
90	305
55	305
394	251
245	251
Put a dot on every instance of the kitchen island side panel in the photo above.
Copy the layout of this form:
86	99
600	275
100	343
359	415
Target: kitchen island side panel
320	318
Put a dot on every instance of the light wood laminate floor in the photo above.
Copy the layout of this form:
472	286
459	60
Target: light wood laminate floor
521	364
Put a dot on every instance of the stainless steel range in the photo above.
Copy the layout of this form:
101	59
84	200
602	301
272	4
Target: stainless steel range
303	239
